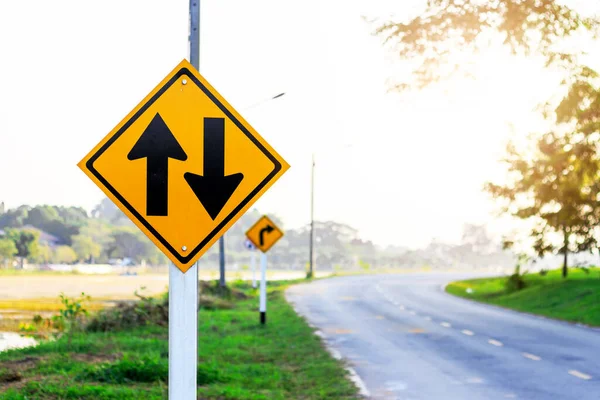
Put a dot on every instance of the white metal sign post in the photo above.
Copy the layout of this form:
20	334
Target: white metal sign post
263	288
263	235
253	266
183	332
183	287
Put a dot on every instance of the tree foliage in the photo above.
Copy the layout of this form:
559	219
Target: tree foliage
559	189
86	248
446	29
25	241
65	255
556	185
62	222
8	249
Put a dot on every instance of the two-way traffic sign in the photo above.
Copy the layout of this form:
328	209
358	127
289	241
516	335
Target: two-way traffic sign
183	165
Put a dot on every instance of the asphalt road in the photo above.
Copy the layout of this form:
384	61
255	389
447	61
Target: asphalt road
407	339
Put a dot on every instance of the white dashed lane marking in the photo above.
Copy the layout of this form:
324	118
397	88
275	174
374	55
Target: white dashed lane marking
495	343
580	375
446	325
467	332
532	356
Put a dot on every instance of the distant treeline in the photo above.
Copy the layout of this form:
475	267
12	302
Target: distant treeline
66	235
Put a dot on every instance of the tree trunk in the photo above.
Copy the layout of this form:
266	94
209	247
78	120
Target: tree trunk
565	269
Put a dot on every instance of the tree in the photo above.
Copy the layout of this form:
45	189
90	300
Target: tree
558	188
446	28
106	210
130	243
85	247
25	241
65	255
554	186
7	250
44	254
14	218
62	222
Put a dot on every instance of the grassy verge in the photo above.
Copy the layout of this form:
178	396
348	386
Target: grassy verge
238	359
575	299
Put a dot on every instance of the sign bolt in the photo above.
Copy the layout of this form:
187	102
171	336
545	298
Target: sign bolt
184	81
184	248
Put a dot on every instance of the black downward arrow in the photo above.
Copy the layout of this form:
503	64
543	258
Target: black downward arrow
157	144
261	234
214	188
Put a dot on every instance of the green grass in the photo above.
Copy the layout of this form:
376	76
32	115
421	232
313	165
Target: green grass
238	359
575	299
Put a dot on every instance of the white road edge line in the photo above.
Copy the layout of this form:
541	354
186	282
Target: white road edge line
354	377
495	342
580	375
467	332
446	324
532	356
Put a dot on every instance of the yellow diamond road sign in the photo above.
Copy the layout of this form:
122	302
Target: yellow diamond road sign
183	165
264	234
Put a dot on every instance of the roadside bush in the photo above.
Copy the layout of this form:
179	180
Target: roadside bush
515	282
128	370
212	288
145	369
70	319
126	315
150	311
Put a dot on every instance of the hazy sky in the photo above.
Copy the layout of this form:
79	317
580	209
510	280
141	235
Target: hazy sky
415	165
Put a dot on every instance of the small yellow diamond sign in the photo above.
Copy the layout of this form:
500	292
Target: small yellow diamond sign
183	165
264	234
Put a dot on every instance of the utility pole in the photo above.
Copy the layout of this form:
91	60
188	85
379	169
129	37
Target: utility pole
222	238
311	245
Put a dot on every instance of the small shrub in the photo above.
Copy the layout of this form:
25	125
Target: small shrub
214	289
543	272
8	376
514	283
72	313
128	370
126	315
148	311
145	369
69	319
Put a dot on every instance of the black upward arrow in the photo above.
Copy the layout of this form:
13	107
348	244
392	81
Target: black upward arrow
214	188
157	144
261	234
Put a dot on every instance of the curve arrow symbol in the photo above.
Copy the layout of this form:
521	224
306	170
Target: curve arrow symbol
261	234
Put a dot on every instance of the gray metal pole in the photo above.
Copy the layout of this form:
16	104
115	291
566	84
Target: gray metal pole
222	261
183	288
195	33
312	220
